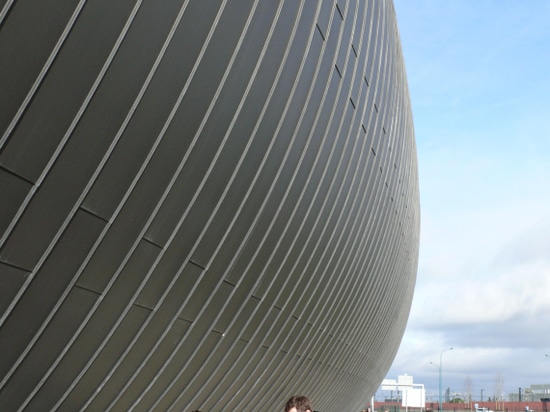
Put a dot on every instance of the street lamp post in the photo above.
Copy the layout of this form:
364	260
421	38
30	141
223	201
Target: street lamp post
441	376
438	367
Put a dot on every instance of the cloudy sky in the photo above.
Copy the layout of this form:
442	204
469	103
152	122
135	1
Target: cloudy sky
479	79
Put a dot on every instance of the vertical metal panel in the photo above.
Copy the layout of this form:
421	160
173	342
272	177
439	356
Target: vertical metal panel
44	291
13	191
28	376
110	395
80	63
12	280
88	384
37	34
104	320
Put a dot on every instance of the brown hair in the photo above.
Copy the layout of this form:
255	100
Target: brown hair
301	403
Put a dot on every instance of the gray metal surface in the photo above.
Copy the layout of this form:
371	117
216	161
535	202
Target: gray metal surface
203	204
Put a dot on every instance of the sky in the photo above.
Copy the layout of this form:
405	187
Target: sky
479	82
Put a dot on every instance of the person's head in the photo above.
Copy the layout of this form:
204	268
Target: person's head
298	404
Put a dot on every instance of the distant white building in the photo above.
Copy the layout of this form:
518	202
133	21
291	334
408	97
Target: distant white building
412	395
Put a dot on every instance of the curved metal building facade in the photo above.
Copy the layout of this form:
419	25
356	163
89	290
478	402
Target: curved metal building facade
204	204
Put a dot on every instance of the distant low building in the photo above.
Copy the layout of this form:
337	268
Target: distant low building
533	393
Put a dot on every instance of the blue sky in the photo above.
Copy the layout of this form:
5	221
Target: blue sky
479	80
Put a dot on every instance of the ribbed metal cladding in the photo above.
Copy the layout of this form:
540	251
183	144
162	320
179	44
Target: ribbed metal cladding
204	204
